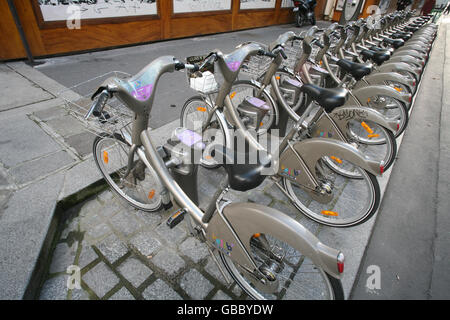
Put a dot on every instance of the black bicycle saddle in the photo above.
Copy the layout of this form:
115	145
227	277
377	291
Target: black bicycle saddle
357	70
244	169
376	56
329	99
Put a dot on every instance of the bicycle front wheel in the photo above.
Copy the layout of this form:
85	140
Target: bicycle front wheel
242	89
140	187
193	116
290	274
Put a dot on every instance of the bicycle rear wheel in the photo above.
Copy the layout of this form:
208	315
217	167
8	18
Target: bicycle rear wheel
141	188
291	275
349	201
391	108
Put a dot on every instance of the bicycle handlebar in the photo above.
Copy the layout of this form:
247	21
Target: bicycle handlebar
100	103
263	52
180	66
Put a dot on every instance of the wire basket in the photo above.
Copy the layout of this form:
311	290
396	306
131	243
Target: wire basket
256	66
202	81
77	101
293	50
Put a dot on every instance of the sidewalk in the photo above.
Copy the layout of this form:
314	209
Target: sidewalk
410	242
46	168
45	162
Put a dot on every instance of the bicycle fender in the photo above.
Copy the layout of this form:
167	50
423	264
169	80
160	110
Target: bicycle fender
364	94
248	219
411	46
409	52
313	149
343	115
420	62
379	78
399	66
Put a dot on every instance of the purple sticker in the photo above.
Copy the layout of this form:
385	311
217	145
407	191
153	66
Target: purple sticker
143	93
317	68
234	65
258	103
294	82
190	138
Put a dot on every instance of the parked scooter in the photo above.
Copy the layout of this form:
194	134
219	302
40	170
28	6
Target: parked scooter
304	12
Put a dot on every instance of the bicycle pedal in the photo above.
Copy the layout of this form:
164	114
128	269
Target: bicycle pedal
176	218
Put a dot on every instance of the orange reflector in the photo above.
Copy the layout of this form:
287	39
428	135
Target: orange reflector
329	213
105	157
336	159
398	89
368	100
208	157
232	95
201	109
366	126
261	124
151	194
278	77
257	235
373	135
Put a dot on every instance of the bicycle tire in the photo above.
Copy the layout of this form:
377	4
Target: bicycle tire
313	286
103	157
305	204
215	124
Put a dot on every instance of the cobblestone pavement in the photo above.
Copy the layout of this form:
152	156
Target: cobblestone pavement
124	253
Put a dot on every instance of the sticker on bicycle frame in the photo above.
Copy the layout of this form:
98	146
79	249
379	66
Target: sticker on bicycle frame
222	245
105	157
143	93
330	213
325	134
233	65
290	173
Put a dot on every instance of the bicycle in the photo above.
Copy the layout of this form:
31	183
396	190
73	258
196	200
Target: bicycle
268	254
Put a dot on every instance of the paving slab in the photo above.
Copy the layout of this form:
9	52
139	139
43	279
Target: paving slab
13	88
160	290
22	140
45	165
134	271
27	213
100	279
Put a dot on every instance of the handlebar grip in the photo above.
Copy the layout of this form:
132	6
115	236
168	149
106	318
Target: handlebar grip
100	103
266	53
283	54
179	66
